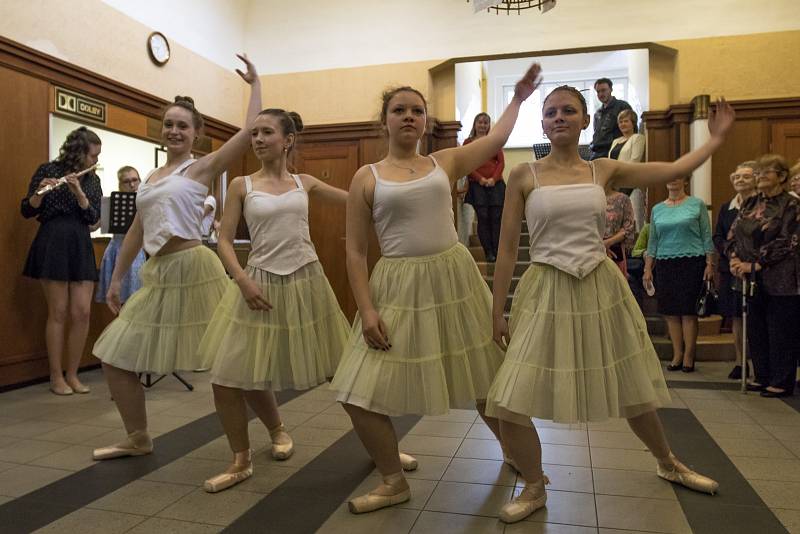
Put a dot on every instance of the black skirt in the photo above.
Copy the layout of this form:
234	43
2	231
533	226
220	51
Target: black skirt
62	251
729	303
480	195
679	283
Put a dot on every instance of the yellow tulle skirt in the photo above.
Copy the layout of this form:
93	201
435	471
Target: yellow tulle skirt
295	345
579	350
160	326
437	310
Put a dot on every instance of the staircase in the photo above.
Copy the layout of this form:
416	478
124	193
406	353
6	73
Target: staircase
710	346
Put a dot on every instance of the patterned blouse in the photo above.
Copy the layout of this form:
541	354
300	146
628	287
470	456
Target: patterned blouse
60	201
767	231
619	216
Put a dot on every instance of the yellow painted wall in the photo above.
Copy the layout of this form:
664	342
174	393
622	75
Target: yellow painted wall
741	67
515	156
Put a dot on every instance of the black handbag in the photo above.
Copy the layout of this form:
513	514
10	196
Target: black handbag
708	301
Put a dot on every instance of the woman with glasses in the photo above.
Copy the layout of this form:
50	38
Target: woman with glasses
129	181
763	245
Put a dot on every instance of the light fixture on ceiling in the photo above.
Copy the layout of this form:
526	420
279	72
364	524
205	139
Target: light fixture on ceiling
513	5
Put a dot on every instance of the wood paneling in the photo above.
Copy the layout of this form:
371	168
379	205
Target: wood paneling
786	140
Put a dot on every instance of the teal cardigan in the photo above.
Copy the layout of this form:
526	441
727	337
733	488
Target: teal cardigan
680	231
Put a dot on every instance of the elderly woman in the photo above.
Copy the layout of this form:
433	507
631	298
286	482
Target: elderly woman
794	180
630	147
619	234
681	249
763	246
730	303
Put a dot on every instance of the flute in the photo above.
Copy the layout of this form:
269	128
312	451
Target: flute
61	181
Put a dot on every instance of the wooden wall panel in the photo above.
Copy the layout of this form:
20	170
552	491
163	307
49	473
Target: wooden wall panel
786	140
748	140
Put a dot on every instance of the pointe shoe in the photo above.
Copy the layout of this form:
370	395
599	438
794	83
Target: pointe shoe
680	474
389	493
408	462
241	470
532	497
138	443
61	390
282	444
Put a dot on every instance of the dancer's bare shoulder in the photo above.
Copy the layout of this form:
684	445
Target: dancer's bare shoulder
520	179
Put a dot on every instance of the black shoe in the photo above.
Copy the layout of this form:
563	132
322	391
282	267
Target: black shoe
776	394
688	368
677	367
755	387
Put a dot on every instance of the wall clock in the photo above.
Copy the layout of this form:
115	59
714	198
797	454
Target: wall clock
158	48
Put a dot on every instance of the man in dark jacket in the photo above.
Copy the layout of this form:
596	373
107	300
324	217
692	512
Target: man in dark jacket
605	118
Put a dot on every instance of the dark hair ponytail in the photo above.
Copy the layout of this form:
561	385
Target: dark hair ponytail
73	152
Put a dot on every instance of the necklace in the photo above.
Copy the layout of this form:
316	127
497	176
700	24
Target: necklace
409	169
676	201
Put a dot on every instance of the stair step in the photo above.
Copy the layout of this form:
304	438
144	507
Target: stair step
717	348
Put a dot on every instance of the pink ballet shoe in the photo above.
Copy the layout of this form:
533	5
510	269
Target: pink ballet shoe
282	444
532	497
408	462
678	473
393	490
138	443
241	470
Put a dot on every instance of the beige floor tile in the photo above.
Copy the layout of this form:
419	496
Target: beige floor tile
430	467
617	531
758	448
442	523
88	521
778	494
558	436
711	404
729	430
530	527
723	416
445	429
783	433
195	410
4	499
793	446
301	404
142	497
472	499
566	478
334	421
110	419
73	458
477	471
484	449
789	519
30	429
27	450
212	509
615	440
73	434
219	449
318	437
636	513
171	526
162	422
302	455
686	393
779	419
24	479
612	425
565	455
391	520
189	471
294	419
768	468
455	416
623	459
480	431
676	402
632	484
430	445
421	491
569	508
266	478
5	466
75	414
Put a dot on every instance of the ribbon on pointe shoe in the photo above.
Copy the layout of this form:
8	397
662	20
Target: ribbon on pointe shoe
282	444
532	497
138	443
678	473
241	470
393	490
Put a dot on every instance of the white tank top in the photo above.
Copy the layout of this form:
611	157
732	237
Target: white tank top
414	218
278	226
566	225
170	207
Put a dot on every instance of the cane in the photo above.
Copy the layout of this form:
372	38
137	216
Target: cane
744	334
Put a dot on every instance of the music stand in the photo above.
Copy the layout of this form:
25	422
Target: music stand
540	150
117	219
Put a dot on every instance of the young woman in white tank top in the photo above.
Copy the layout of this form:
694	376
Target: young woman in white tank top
278	325
159	328
421	342
579	348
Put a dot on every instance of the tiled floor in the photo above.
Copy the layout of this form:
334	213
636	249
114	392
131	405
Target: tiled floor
602	478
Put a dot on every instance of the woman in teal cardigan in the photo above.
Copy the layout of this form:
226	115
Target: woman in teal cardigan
682	251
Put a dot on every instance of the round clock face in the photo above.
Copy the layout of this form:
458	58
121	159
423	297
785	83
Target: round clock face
159	48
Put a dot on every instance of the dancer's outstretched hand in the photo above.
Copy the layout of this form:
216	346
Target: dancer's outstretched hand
500	332
252	295
528	83
721	119
251	76
374	331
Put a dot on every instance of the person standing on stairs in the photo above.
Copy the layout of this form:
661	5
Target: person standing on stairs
578	348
